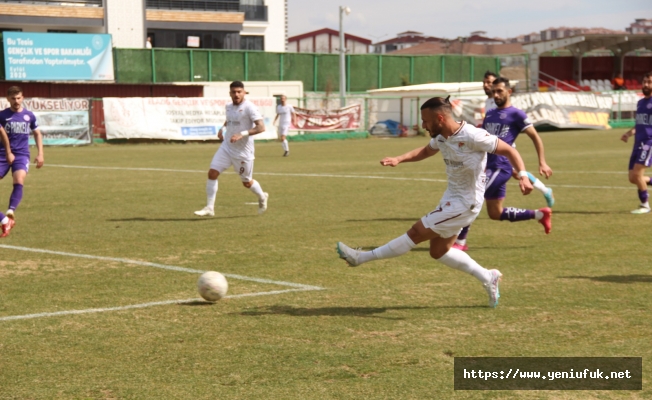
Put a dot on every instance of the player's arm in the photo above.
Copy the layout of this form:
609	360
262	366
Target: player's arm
275	119
220	133
628	134
5	143
544	169
411	156
503	149
38	139
259	127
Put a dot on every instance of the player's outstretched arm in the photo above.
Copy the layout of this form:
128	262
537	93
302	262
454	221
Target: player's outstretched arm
411	156
544	169
503	149
38	139
627	135
5	143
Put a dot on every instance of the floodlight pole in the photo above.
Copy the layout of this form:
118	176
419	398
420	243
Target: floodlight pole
343	10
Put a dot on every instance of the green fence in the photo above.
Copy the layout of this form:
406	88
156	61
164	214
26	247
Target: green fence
319	72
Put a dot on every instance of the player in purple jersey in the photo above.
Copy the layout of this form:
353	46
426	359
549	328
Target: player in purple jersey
642	153
507	122
18	123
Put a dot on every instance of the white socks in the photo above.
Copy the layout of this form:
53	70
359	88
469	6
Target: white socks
5	220
538	215
459	260
286	146
211	192
394	248
538	185
258	191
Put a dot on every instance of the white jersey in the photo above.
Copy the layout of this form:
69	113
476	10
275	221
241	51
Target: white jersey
489	104
284	114
465	155
240	118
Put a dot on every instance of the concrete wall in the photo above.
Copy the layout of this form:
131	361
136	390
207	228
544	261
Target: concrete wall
126	22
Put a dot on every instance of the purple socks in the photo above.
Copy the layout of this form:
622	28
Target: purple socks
463	233
643	196
516	214
16	196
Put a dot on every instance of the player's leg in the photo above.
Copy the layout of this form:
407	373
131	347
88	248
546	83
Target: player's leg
16	197
540	186
246	171
284	141
641	159
460	242
497	212
220	162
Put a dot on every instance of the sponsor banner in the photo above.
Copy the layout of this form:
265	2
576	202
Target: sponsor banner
559	109
175	118
63	122
343	119
57	56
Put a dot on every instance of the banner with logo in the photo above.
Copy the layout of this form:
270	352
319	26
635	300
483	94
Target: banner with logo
57	56
63	122
175	118
343	119
559	109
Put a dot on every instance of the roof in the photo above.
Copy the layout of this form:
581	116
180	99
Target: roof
456	47
331	32
410	39
479	38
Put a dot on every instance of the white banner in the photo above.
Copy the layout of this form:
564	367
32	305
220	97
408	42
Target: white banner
63	122
176	118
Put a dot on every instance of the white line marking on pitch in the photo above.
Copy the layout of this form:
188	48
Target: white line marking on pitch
325	176
299	287
161	266
144	305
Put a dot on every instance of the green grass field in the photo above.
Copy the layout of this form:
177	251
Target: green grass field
385	330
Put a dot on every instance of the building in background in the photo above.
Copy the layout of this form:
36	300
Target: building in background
327	41
564	32
209	24
640	26
402	41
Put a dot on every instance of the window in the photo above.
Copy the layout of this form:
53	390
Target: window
252	42
60	31
10	30
178	39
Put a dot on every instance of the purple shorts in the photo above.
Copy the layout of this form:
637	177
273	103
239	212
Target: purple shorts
496	184
21	162
641	154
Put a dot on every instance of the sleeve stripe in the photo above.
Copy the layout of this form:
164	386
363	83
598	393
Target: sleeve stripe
495	146
527	126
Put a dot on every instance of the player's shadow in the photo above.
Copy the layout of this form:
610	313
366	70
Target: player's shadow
365	312
636	278
196	219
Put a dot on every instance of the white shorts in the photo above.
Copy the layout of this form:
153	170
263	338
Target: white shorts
283	130
447	219
222	160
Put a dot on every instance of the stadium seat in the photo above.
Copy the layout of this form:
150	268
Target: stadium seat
593	82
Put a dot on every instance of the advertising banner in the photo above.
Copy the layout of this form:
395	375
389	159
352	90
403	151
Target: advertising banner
343	119
559	109
63	122
175	118
57	56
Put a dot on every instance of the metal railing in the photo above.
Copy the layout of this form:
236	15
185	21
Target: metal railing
558	84
194	5
254	13
87	3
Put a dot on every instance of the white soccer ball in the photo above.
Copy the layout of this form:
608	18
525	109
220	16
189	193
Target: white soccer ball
212	286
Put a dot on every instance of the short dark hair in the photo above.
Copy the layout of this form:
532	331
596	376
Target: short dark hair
14	90
438	104
489	73
502	79
648	75
236	84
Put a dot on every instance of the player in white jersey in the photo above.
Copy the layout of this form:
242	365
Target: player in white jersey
285	112
464	149
243	120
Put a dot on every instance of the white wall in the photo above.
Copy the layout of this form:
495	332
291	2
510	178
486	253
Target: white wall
273	29
292	89
126	22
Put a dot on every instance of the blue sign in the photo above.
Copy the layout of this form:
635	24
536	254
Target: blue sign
57	56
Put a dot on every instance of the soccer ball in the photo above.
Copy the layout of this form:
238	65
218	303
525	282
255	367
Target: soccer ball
212	286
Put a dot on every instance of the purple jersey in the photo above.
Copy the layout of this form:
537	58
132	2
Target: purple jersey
506	123
18	126
644	120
